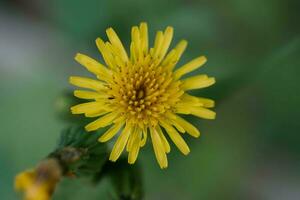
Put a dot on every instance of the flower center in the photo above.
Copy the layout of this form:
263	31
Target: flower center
143	93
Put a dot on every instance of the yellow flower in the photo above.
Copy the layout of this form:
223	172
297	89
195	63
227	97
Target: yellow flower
38	184
142	93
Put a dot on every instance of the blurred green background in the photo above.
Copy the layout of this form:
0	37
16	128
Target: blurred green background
252	149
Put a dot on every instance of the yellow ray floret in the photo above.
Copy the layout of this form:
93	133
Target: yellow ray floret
139	93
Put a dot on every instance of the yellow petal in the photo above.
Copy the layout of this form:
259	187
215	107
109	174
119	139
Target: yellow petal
197	82
164	140
92	65
114	39
190	66
159	38
175	137
110	133
106	54
180	48
144	139
208	103
198	101
135	147
170	59
114	54
131	138
119	119
136	43
97	113
190	129
133	53
177	125
87	107
168	35
159	150
144	37
87	83
174	55
187	102
102	122
120	143
83	94
182	110
203	113
197	111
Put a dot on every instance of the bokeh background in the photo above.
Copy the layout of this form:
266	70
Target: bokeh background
252	149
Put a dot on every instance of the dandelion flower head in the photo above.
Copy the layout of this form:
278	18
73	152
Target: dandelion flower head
142	94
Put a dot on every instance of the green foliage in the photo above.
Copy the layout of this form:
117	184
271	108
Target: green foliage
80	152
251	51
126	179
